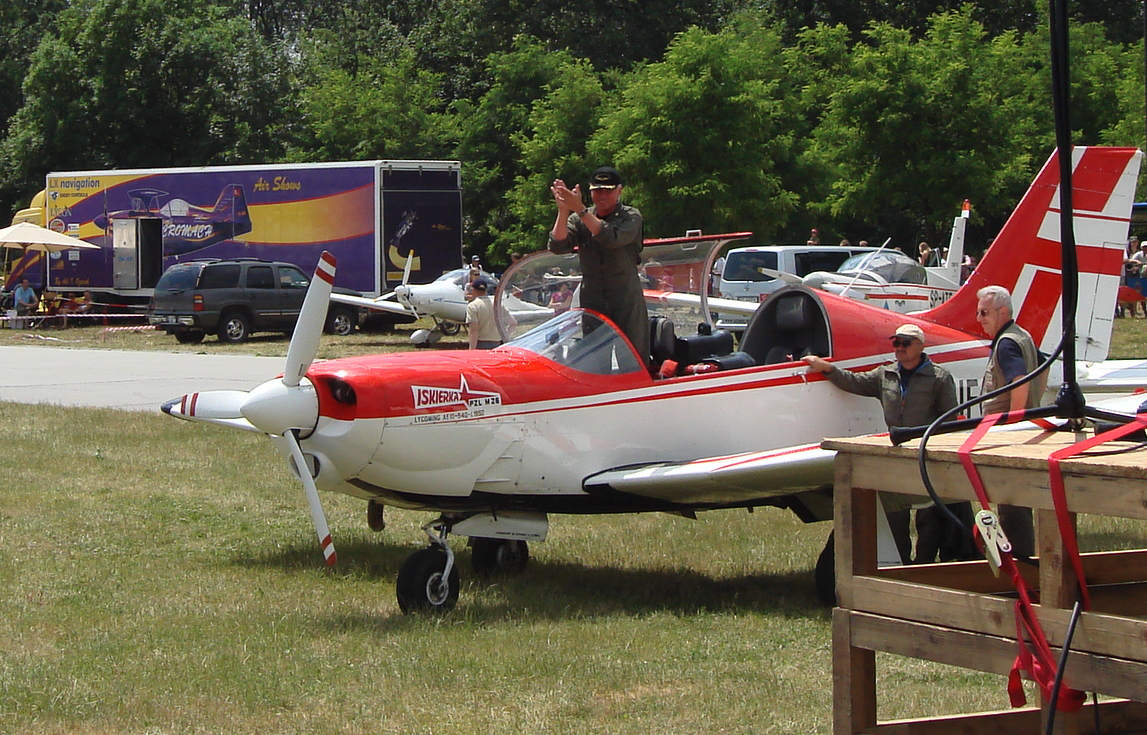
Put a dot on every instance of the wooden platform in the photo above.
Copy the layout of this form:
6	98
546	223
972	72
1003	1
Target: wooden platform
961	614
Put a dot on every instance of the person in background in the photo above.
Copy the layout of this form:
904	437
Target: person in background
474	277
77	305
561	299
26	302
608	238
1014	354
481	327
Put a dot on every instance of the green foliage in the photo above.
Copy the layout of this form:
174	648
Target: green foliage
134	83
384	110
491	135
919	126
707	135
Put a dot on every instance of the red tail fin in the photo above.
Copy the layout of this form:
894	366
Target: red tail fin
1025	257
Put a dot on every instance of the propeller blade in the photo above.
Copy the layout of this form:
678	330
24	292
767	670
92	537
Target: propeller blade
406	268
208	405
290	441
309	328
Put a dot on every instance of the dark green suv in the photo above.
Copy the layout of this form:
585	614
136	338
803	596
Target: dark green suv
233	298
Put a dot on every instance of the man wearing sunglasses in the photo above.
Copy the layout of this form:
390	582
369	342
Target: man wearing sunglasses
1014	355
914	391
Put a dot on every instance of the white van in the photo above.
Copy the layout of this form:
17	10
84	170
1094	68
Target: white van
744	276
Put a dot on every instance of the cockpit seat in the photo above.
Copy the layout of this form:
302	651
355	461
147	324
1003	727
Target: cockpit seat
662	339
706	343
788	327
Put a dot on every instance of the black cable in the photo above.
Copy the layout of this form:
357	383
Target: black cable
1076	610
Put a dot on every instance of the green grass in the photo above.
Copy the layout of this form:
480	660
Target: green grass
163	577
1129	339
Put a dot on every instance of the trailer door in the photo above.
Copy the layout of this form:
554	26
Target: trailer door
137	248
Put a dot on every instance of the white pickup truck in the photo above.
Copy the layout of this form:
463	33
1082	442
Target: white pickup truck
745	273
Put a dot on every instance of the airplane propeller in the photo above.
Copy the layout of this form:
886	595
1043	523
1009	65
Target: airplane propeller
401	292
281	408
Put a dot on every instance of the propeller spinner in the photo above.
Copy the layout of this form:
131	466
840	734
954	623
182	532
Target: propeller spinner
282	408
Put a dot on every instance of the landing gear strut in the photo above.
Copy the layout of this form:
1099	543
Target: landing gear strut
428	579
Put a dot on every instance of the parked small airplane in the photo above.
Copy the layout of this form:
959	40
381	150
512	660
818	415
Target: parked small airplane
443	300
187	227
494	441
889	279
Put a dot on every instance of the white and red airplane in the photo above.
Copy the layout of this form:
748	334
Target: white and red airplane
566	418
889	279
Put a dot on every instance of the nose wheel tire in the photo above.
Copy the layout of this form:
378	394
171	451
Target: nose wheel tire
489	556
425	585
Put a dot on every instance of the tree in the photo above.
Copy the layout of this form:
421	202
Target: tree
491	132
921	126
387	109
708	137
141	83
552	145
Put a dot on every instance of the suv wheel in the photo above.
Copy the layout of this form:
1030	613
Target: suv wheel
341	322
192	337
234	327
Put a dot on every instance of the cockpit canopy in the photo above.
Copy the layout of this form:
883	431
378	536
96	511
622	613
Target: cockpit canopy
891	265
582	341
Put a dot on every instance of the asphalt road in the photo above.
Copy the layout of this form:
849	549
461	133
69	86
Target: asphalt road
134	381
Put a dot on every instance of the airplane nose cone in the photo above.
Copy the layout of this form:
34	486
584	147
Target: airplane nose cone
276	408
815	280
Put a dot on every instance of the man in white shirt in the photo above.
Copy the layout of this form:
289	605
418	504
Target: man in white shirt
480	322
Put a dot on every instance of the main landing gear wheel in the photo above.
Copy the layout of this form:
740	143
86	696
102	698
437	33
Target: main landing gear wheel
424	584
489	556
449	328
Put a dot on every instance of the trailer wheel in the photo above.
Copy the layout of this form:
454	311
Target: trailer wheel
191	337
234	327
341	322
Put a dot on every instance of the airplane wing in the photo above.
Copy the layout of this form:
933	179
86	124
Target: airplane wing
684	299
1112	376
726	481
379	304
797	477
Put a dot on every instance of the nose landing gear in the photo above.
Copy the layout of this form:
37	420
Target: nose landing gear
428	580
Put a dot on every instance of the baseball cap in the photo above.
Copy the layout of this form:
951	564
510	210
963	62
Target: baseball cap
909	330
605	177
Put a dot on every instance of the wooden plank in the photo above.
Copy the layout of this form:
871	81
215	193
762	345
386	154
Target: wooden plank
853	680
992	654
1101	568
1106	635
1117	717
1016	486
1058	584
1013	466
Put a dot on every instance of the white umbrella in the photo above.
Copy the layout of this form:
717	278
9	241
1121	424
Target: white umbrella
28	236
